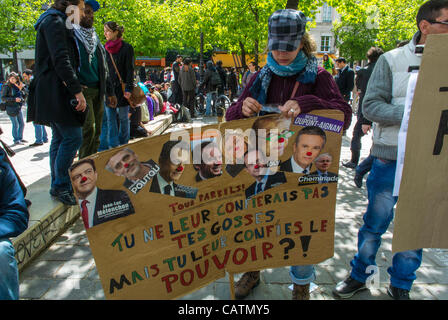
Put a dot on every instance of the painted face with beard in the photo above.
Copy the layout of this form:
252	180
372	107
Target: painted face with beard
87	20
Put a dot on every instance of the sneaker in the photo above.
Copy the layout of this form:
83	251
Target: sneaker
36	144
301	292
358	180
350	165
347	288
24	141
248	281
398	293
66	197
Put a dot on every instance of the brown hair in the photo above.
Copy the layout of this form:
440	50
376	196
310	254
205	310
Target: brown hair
309	45
112	25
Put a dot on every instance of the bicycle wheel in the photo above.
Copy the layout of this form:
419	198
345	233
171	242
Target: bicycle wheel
199	104
221	105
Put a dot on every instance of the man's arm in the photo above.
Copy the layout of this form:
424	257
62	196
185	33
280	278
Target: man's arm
13	211
377	105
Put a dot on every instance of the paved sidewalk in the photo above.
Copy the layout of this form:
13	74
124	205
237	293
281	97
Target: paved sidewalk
66	270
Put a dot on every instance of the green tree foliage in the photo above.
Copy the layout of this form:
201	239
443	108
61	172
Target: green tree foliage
17	19
366	23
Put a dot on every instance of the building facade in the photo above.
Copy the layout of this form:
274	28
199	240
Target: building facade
322	33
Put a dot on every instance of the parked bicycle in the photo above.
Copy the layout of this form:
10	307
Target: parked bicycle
219	105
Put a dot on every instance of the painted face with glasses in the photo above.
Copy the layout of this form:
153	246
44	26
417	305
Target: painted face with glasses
276	133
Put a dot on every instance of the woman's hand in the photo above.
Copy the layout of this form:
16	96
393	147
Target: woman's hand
250	107
18	100
127	95
82	104
290	109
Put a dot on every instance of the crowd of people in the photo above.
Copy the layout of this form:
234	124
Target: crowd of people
82	90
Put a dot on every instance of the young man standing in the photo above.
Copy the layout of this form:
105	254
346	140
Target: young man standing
93	77
384	104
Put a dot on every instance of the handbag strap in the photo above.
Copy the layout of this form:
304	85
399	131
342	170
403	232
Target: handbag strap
115	67
294	91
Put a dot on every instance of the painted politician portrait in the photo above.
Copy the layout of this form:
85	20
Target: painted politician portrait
265	179
307	146
97	205
210	165
172	161
321	175
125	163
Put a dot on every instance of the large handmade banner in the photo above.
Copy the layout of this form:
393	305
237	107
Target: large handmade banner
170	214
422	208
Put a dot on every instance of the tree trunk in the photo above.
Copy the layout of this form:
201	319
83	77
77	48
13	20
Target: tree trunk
292	4
15	61
243	55
256	52
201	58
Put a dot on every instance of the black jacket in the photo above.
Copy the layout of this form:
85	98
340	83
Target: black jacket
55	82
345	80
362	79
124	59
9	95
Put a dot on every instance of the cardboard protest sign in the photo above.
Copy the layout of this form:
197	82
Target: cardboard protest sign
421	214
240	196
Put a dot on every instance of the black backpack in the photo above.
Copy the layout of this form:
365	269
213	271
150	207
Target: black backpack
215	79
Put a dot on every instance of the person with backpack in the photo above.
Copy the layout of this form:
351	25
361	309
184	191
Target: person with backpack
211	81
12	96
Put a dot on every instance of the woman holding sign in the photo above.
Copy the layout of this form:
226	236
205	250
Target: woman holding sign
292	80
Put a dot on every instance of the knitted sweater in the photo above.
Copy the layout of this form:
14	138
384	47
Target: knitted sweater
322	94
386	95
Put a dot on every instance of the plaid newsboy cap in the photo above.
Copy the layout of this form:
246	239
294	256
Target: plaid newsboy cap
286	29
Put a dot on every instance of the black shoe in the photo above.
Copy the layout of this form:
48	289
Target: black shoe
28	203
358	180
350	165
35	144
53	193
398	293
347	288
66	197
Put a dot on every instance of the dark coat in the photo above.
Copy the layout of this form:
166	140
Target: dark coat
273	180
9	93
107	197
345	80
124	59
55	82
286	166
362	79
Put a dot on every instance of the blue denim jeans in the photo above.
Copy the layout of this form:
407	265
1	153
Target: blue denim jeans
302	275
364	167
17	127
9	279
114	133
65	142
379	214
208	103
40	133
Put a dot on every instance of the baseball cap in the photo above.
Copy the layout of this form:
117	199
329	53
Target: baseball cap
94	4
286	29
